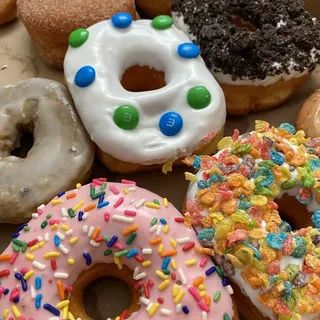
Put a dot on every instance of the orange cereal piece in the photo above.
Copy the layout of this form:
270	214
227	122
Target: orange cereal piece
208	199
230	206
316	284
298	160
235	180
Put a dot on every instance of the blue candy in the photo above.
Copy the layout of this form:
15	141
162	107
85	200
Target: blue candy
316	219
288	127
85	76
38	301
188	50
276	157
171	123
314	164
275	240
51	309
122	20
301	247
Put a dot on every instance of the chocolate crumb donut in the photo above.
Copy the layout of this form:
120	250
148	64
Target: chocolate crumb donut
62	153
252	43
50	24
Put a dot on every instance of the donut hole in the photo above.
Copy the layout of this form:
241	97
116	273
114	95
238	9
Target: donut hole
106	298
142	78
24	141
240	23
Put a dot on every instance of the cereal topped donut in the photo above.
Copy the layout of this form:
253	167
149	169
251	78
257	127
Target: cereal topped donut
61	154
111	229
158	126
256	204
250	44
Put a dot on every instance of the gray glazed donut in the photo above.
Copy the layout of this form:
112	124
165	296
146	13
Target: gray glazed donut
62	153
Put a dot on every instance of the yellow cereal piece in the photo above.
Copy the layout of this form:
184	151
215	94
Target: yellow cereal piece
160	248
190	177
235	261
222	231
29	256
258	200
166	228
164	284
173	264
152	205
71	261
161	275
146	263
179	297
216	217
275	189
173	243
165	202
167	167
175	290
28	275
245	255
78	206
249	185
52	254
239	218
224	143
64	227
62	304
191	262
73	240
16	311
153	309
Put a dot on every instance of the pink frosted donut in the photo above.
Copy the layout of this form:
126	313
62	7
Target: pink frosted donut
107	223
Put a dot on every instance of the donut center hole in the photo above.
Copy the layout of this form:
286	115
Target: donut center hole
240	23
106	298
142	78
24	142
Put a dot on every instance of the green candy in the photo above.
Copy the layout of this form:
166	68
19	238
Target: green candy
71	213
107	252
162	22
78	37
126	117
291	183
15	248
226	317
166	272
44	224
131	238
156	201
121	253
199	97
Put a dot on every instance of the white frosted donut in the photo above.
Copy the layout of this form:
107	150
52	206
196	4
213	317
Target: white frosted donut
160	125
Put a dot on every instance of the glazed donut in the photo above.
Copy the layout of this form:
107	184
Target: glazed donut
155	8
50	24
104	229
308	116
184	115
8	10
62	152
234	202
260	52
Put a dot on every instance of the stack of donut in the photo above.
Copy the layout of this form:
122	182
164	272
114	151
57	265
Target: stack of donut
255	203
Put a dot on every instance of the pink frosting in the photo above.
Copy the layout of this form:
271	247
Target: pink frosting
129	203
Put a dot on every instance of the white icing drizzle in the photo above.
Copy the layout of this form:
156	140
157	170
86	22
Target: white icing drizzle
110	51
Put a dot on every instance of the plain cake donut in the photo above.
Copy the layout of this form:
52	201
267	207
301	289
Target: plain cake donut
49	24
111	229
8	10
62	152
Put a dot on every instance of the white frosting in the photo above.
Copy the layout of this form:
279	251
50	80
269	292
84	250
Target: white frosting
110	51
245	81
